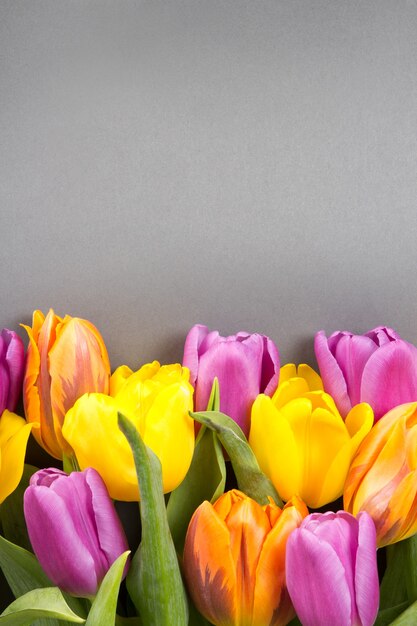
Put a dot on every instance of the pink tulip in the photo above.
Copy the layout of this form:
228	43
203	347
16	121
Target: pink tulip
379	368
245	365
331	570
12	361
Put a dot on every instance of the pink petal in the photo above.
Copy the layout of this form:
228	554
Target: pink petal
332	376
191	349
316	581
382	335
366	579
15	361
351	354
390	377
270	367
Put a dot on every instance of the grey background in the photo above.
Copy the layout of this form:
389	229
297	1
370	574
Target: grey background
248	165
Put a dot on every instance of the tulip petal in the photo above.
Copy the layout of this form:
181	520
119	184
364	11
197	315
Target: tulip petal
366	574
209	567
14	359
331	374
192	349
69	565
237	366
270	367
313	566
14	435
352	354
390	377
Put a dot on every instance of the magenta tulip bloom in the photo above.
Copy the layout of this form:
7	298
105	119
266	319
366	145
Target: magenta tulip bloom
245	365
379	368
331	570
73	528
12	361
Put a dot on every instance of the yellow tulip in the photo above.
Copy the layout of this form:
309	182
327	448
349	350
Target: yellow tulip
382	477
157	400
14	435
301	441
66	358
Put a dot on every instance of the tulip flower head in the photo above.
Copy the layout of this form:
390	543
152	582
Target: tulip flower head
301	441
14	435
12	362
378	367
245	365
73	528
157	400
234	560
66	358
382	479
331	570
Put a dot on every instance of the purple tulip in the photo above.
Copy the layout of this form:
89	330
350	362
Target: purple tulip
245	365
379	368
12	361
73	528
331	570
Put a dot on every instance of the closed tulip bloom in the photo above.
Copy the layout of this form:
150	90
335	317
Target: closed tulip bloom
12	361
382	479
73	528
234	560
14	435
378	367
66	358
245	365
331	570
301	441
157	400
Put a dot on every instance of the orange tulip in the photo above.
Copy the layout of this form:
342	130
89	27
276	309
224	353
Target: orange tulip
382	479
66	358
234	560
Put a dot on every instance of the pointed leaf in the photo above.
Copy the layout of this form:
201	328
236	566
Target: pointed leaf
11	512
250	478
103	609
154	581
44	603
408	617
393	590
386	616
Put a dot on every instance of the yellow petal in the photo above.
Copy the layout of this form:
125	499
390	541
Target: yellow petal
313	379
14	434
92	431
118	379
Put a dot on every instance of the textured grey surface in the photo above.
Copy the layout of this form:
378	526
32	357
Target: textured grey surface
248	165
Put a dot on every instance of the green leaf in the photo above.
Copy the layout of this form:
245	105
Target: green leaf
399	581
44	603
24	573
386	616
154	581
205	479
250	478
103	609
11	512
128	621
408	617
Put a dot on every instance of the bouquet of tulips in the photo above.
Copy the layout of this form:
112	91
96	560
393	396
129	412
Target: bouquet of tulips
268	495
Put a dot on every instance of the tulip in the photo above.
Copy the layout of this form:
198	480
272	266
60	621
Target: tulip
12	361
14	435
245	365
234	560
331	570
382	479
379	368
301	441
73	528
157	400
66	358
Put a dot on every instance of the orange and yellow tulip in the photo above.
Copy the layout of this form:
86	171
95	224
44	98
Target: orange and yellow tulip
66	358
382	479
301	441
234	560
